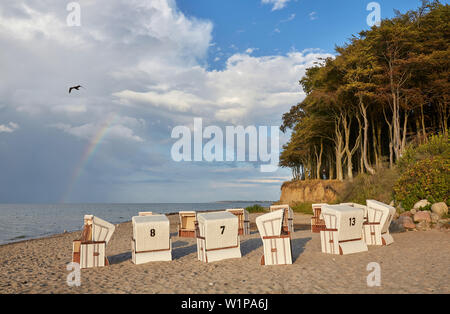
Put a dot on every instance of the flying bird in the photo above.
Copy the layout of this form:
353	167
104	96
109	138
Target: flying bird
75	87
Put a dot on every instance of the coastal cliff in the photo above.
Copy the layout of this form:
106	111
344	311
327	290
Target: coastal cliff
312	191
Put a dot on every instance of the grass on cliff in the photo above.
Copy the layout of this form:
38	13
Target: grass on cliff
365	186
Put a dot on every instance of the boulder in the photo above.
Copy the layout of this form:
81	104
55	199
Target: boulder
440	209
396	226
435	218
422	216
413	211
424	225
420	204
408	214
406	222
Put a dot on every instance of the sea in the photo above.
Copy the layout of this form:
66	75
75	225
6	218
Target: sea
20	222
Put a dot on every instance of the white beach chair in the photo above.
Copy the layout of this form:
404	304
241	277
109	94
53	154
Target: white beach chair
376	228
217	236
151	239
186	226
317	224
288	223
244	220
276	241
90	250
343	230
145	213
356	205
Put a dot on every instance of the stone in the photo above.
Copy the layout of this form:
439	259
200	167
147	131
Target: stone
423	226
407	214
413	211
406	222
440	209
396	226
435	218
422	216
420	204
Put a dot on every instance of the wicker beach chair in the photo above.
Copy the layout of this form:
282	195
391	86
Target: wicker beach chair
244	220
151	239
317	224
376	228
276	240
217	236
343	233
288	223
90	250
186	226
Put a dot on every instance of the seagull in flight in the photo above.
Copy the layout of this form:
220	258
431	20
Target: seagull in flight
75	87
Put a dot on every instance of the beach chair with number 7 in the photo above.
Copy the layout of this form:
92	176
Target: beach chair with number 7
217	236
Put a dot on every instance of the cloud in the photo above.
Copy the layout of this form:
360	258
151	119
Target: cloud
277	4
8	128
145	63
313	16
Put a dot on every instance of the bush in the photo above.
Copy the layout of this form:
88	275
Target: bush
255	209
305	208
428	178
365	186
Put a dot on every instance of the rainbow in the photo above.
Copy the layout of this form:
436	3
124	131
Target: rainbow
88	152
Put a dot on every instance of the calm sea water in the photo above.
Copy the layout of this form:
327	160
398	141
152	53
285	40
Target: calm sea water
26	221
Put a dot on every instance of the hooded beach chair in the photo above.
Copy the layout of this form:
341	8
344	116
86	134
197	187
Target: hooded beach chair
356	205
317	224
376	227
90	250
276	240
288	223
186	226
151	239
343	232
244	220
217	236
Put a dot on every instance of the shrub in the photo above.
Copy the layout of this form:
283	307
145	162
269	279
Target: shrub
255	209
428	178
305	208
365	186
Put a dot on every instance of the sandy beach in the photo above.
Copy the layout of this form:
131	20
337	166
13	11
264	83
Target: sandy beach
417	262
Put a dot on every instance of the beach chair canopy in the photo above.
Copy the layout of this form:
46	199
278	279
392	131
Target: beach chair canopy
220	229
270	224
187	219
102	230
347	220
380	212
151	232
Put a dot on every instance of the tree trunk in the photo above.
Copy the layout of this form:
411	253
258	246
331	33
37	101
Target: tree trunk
366	128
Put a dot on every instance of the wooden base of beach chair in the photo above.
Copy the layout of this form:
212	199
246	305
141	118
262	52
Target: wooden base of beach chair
186	233
143	257
89	254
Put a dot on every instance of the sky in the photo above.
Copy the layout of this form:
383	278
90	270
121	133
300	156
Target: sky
148	67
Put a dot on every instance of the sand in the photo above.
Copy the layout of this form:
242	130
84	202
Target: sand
417	262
